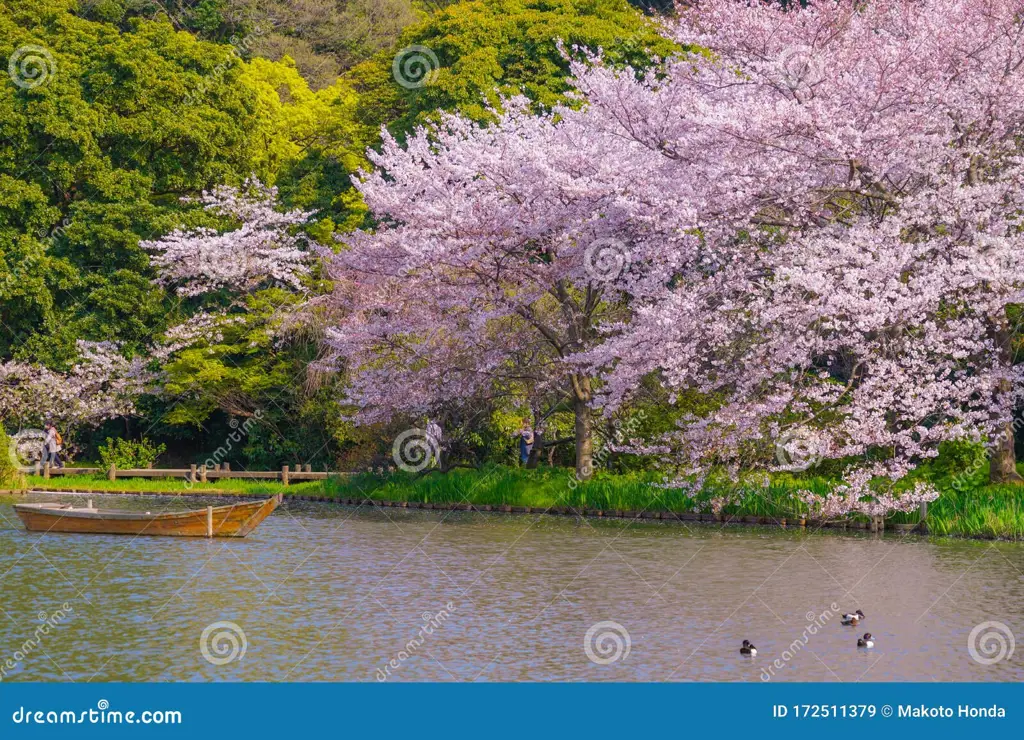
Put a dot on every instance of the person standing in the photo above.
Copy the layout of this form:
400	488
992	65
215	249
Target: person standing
525	444
54	444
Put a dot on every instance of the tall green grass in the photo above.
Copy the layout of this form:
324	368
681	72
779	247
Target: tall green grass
978	511
988	511
547	487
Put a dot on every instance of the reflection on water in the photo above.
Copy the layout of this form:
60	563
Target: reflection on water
328	593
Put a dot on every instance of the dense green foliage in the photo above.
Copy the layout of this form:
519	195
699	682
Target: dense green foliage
493	48
130	454
145	104
95	160
9	475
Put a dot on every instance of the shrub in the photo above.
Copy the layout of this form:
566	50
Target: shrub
128	454
10	476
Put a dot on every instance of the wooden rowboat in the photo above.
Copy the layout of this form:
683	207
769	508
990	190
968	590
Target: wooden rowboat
234	520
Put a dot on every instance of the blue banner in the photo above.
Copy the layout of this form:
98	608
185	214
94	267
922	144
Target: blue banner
524	711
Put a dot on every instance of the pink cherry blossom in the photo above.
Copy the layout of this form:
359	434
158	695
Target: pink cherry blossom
864	184
266	247
102	385
816	220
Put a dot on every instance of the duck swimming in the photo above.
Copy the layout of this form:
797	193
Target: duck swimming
748	649
853	618
866	641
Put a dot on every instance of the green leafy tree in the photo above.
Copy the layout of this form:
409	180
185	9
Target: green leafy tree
488	48
127	120
98	156
132	106
476	52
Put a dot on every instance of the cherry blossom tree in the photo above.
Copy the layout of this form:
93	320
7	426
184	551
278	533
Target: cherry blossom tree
500	251
872	158
102	385
811	209
249	287
816	219
266	248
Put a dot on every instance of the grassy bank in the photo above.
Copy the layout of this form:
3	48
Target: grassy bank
168	485
980	511
984	511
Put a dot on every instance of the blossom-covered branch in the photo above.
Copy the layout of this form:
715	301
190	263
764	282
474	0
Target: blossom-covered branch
101	385
266	246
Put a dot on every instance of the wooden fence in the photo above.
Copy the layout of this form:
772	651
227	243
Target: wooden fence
193	473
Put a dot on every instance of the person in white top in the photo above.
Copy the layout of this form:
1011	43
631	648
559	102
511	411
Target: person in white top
53	446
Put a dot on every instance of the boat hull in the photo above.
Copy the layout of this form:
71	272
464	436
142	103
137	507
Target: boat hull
234	520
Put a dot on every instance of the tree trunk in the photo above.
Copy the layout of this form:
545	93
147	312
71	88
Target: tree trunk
534	458
1003	463
584	438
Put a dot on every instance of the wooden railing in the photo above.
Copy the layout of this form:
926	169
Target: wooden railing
193	473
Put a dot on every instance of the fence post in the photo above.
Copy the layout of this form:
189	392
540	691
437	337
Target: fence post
112	472
284	475
923	516
46	471
39	467
227	467
202	474
309	468
192	472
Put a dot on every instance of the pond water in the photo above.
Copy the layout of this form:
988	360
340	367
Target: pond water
329	593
